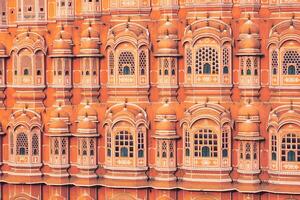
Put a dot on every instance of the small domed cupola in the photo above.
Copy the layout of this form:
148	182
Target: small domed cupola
167	39
62	44
249	40
90	41
165	135
249	54
87	121
167	57
58	124
248	121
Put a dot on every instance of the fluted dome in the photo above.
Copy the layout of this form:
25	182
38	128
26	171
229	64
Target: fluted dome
249	127
249	27
166	109
167	46
87	110
165	125
89	43
249	42
62	34
168	28
90	32
61	44
87	126
248	110
58	126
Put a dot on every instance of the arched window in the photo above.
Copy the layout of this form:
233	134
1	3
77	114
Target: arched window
205	140
291	156
126	63
225	143
225	70
189	70
22	144
291	70
124	144
206	68
290	147
35	145
126	70
26	72
205	151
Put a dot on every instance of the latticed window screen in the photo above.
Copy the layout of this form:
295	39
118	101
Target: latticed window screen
241	151
64	145
290	147
173	65
124	144
166	66
207	61
11	143
164	149
205	143
171	148
187	144
225	60
248	66
84	147
92	147
35	145
255	65
189	61
248	151
140	144
22	144
108	143
254	151
111	63
56	146
225	143
274	147
143	62
274	62
126	63
291	62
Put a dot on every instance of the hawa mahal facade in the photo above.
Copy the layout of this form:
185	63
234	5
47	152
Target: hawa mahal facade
140	99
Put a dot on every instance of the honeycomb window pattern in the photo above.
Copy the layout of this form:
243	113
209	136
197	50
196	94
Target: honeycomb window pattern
187	143
225	143
22	144
189	61
126	63
35	145
143	62
274	62
205	143
206	56
291	58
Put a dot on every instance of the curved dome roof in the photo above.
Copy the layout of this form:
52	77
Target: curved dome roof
249	27
168	28
166	109
249	127
249	42
248	110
